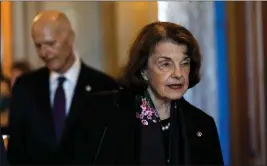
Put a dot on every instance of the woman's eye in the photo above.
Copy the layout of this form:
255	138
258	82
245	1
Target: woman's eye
166	64
185	63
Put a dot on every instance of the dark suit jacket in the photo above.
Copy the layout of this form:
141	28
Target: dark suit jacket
3	160
32	136
108	133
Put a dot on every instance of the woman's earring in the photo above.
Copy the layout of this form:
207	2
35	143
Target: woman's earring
144	76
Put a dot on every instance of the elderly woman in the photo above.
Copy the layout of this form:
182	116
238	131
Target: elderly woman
148	122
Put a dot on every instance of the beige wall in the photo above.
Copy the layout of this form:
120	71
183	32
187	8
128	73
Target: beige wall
121	22
131	17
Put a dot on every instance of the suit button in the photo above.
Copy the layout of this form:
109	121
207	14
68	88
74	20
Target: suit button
88	88
199	133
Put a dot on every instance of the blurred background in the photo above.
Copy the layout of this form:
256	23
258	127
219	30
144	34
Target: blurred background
232	38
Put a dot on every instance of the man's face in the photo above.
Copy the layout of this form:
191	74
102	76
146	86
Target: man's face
53	47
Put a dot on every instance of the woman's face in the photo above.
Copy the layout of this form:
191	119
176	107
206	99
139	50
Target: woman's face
168	70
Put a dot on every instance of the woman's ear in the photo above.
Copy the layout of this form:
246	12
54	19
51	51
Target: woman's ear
144	75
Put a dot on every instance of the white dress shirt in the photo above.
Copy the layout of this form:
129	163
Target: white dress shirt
69	84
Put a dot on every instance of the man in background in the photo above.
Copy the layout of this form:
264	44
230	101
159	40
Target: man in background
18	68
45	103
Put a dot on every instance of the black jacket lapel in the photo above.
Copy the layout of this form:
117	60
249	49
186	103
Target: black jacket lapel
128	110
77	100
44	107
183	122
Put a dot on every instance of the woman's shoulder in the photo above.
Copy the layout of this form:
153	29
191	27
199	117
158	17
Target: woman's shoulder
111	95
196	113
107	102
104	106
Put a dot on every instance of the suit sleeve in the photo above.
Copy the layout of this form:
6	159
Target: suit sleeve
16	150
3	160
215	152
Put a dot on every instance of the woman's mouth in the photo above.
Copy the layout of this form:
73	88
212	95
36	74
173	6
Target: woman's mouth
175	86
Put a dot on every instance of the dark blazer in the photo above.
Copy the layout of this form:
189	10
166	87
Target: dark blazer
109	133
32	136
3	160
